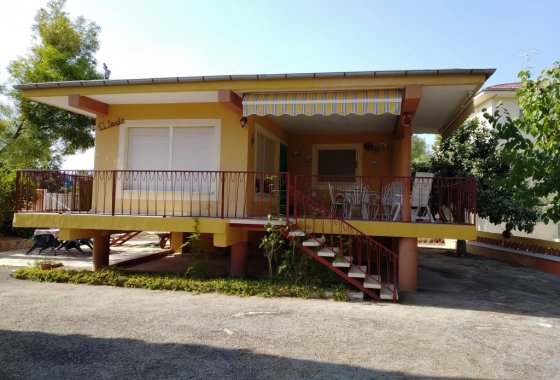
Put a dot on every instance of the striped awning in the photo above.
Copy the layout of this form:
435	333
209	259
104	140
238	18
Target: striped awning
325	103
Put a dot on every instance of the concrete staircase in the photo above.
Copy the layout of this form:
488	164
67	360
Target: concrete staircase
360	276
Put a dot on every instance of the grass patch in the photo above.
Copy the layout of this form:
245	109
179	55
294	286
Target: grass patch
229	286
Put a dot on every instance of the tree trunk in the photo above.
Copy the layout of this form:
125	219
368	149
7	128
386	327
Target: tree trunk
461	249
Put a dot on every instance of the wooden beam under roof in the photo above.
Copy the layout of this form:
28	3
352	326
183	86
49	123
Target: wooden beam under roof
88	104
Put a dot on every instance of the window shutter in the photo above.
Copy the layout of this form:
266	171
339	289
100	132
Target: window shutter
148	148
194	149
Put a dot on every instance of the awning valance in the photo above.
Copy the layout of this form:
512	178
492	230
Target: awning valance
325	103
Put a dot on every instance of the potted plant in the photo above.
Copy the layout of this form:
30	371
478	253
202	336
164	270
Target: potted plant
48	264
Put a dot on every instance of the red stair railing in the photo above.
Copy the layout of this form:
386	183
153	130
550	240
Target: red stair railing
316	220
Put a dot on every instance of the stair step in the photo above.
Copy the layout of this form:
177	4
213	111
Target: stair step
357	272
328	251
354	296
314	242
296	233
372	281
386	294
342	262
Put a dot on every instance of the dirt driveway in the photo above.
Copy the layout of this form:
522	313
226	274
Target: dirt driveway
471	318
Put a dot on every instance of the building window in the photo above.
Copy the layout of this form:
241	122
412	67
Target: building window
336	162
265	162
158	149
171	148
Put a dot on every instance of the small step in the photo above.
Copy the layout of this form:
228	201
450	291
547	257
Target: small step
342	262
372	281
328	251
386	294
314	242
296	233
354	296
357	272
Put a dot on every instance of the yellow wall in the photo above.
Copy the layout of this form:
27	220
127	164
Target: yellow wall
234	139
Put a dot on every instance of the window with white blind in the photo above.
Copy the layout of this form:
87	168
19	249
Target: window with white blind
265	161
171	148
176	148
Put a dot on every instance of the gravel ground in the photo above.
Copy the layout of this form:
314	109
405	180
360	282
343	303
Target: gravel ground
471	318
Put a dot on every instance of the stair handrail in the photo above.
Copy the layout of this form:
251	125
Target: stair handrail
327	214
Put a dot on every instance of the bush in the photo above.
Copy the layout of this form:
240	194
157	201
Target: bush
156	281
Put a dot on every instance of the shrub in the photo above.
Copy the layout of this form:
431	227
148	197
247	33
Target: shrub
156	281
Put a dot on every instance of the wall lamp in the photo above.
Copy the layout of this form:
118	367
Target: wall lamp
243	121
406	120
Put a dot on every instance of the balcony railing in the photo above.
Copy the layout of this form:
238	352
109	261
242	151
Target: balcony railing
213	194
244	195
398	199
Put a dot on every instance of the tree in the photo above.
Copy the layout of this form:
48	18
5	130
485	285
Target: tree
64	50
35	135
474	151
532	141
420	153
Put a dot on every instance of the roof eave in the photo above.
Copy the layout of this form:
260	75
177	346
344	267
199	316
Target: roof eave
213	78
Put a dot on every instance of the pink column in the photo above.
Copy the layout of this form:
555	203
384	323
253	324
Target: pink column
101	249
238	264
408	264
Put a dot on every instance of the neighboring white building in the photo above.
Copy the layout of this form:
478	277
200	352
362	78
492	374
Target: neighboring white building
488	99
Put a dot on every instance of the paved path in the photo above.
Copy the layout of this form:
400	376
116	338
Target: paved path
464	322
143	245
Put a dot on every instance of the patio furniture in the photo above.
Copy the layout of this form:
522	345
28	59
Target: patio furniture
336	199
391	200
357	197
75	244
44	238
420	198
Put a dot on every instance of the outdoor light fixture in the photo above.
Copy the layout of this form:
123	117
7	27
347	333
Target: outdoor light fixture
406	120
243	121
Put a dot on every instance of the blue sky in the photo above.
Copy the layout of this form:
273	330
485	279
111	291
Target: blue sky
161	38
145	38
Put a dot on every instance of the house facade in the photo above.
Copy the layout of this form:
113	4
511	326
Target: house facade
327	154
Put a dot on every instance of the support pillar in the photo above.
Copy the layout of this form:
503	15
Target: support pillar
239	254
101	247
176	243
408	264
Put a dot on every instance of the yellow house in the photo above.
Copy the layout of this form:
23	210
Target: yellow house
327	154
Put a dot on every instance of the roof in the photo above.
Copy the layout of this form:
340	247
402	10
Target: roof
215	78
504	87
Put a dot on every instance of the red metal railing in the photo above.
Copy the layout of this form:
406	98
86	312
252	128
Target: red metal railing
402	199
318	221
213	194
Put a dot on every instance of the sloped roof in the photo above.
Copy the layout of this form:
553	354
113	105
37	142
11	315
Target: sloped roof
504	87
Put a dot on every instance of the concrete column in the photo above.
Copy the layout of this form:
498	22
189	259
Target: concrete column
408	264
101	244
239	253
405	169
176	242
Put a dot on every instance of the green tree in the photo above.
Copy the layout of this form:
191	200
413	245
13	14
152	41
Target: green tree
63	50
420	154
532	141
474	151
34	135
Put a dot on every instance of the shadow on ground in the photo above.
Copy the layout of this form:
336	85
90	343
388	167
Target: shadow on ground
479	283
47	356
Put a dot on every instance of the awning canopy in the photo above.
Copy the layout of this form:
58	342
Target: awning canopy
324	103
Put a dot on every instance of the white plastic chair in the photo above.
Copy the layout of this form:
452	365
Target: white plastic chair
336	199
357	197
420	198
391	200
